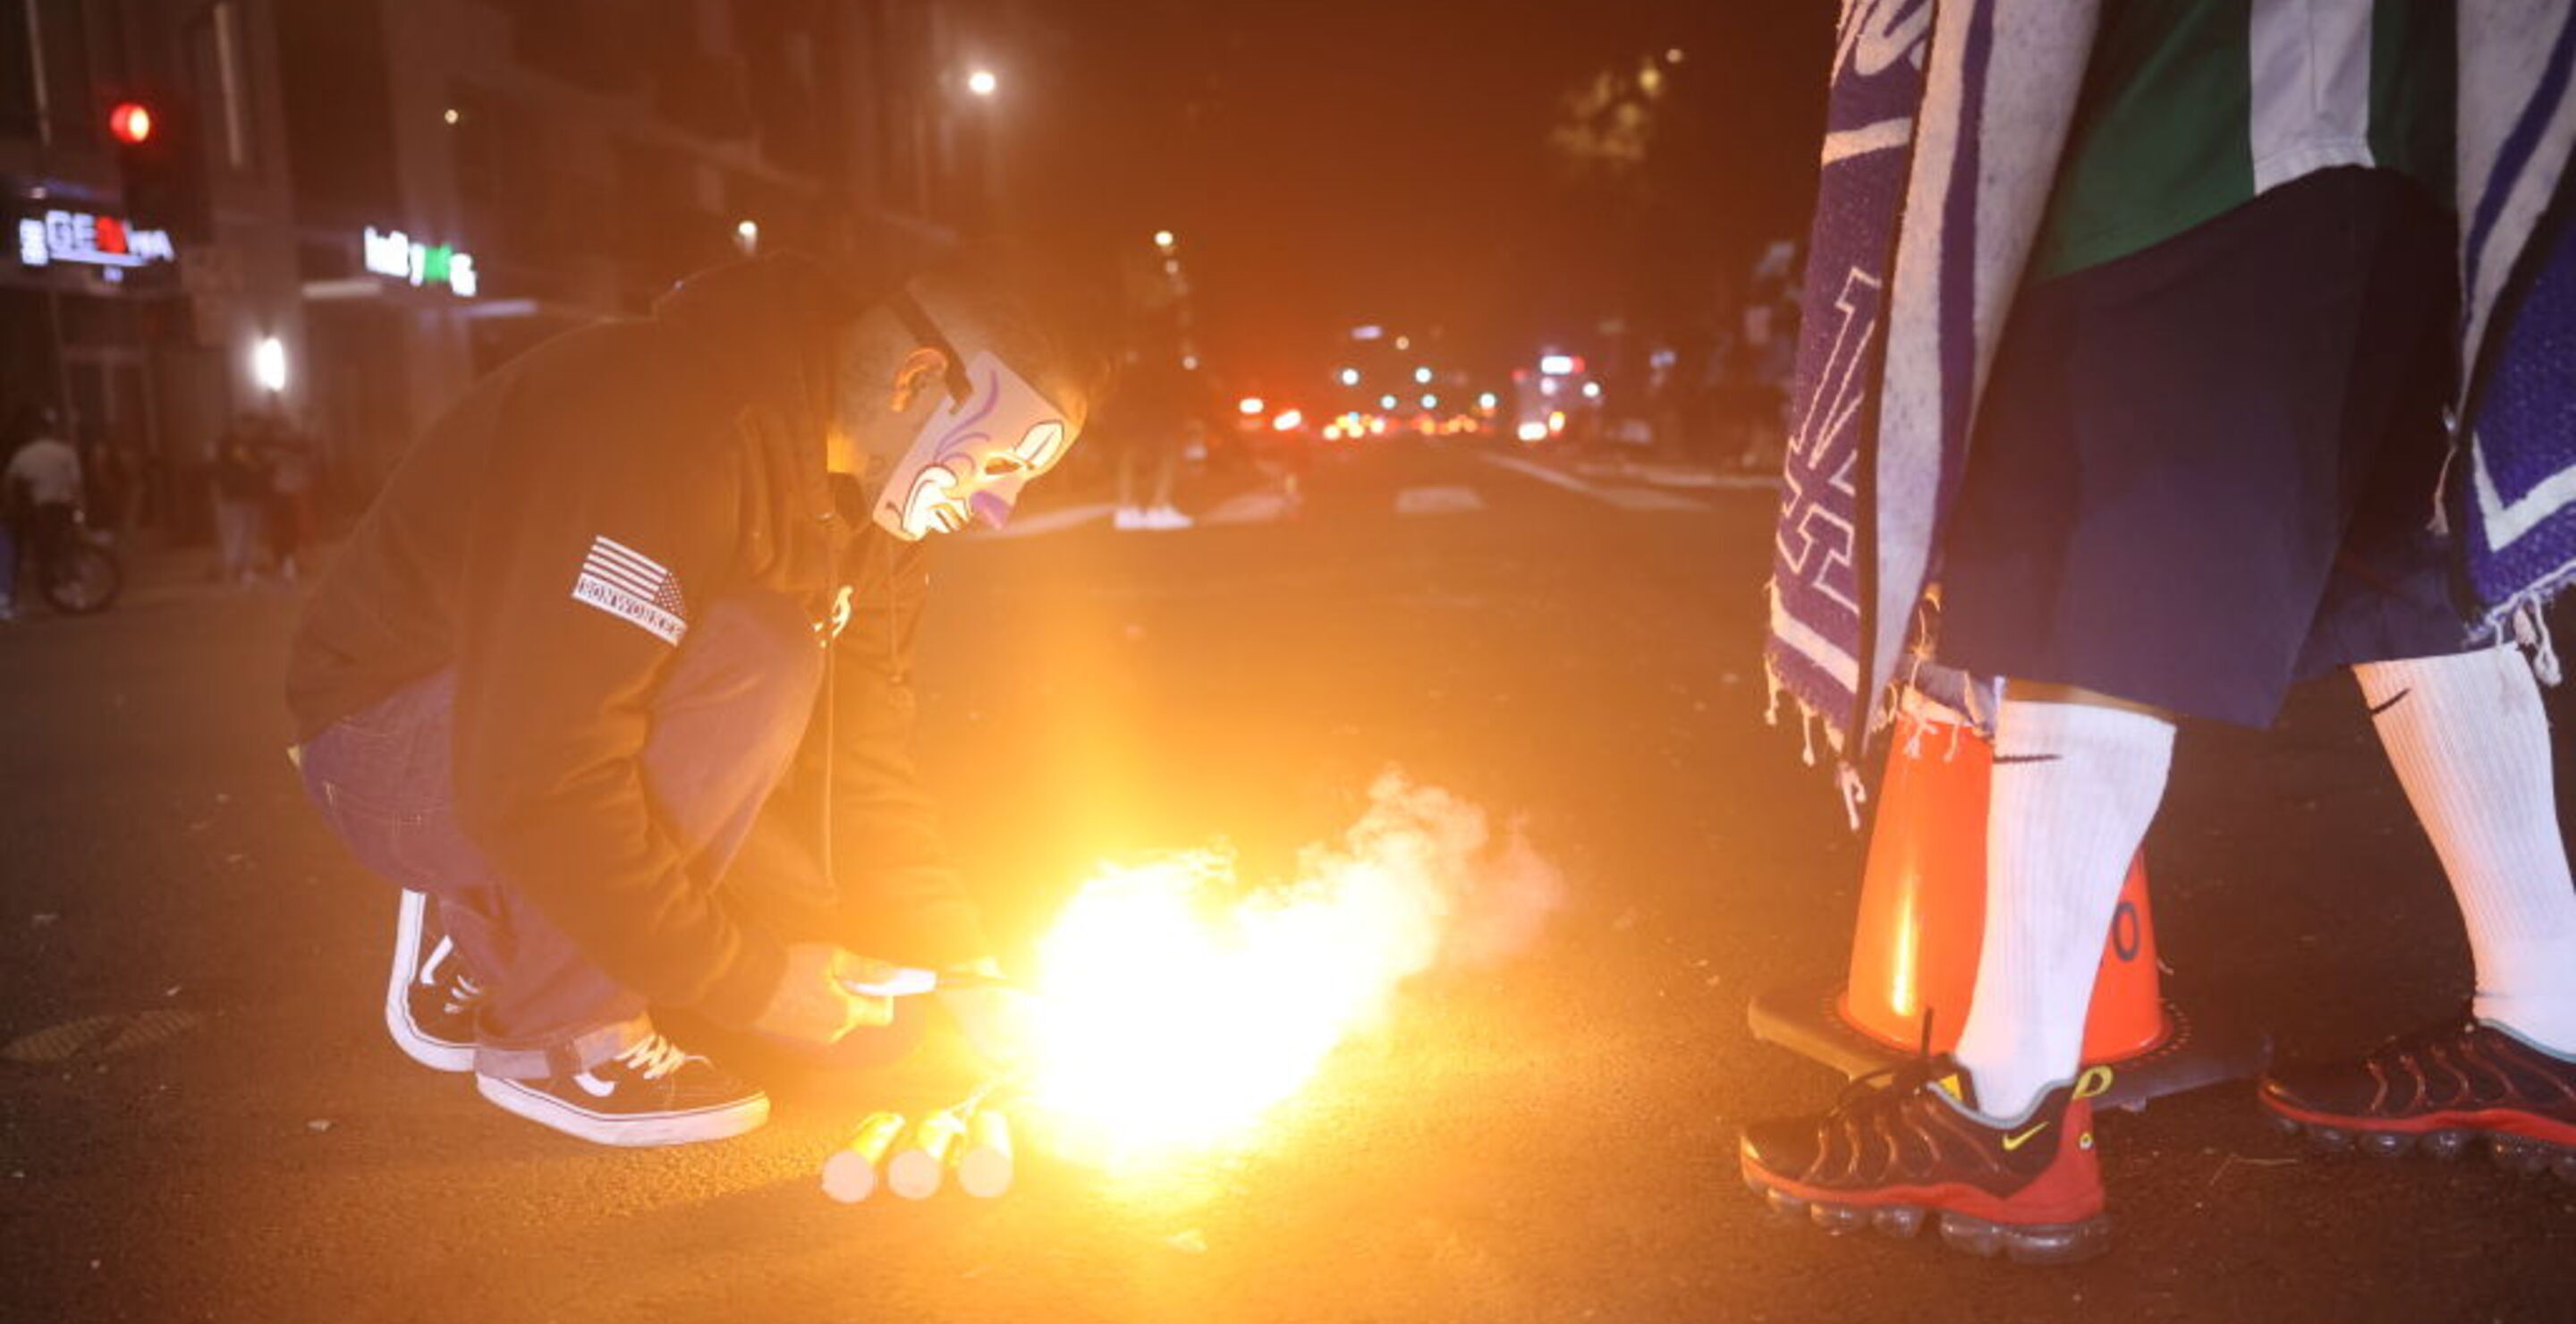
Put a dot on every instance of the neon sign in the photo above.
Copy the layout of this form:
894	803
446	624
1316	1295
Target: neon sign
91	240
393	253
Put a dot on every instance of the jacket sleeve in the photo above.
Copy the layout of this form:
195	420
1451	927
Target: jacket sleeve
902	897
584	567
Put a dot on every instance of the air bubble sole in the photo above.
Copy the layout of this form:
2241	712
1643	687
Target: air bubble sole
2022	1243
2440	1136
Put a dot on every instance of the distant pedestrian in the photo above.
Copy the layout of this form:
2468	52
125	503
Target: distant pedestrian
290	501
241	495
44	481
1153	417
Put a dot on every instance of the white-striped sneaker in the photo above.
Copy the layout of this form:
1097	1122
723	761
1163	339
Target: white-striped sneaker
651	1094
430	999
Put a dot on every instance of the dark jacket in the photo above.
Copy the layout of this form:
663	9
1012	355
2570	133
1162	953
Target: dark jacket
697	437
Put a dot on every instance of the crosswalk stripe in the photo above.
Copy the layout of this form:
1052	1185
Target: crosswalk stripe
1625	498
1051	521
1259	506
1438	501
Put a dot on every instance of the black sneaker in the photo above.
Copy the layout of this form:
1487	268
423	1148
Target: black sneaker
1892	1156
651	1094
2433	1092
430	1000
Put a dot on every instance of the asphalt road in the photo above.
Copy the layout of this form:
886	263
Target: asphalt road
1549	1138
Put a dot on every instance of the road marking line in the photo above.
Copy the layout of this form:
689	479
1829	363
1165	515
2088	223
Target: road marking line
1625	498
1259	506
1053	521
1438	501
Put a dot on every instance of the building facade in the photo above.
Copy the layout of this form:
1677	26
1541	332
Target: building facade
385	199
146	329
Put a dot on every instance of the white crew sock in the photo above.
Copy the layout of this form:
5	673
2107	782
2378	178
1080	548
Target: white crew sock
2471	746
2075	786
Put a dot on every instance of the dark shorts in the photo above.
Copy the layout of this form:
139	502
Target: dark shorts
2207	469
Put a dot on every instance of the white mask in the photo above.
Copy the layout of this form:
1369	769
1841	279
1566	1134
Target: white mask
990	436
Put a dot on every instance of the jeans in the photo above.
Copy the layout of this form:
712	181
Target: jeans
728	718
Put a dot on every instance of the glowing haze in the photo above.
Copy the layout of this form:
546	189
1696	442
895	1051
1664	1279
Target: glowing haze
1178	1006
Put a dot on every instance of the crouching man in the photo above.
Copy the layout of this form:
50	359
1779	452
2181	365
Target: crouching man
613	678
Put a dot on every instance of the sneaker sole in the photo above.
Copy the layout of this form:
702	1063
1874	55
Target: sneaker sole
436	1054
2022	1243
719	1123
2439	1136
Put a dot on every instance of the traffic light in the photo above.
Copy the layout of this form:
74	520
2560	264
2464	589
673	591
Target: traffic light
163	166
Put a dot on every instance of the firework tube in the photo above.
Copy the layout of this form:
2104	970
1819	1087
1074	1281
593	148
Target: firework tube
850	1175
919	1163
984	1162
912	981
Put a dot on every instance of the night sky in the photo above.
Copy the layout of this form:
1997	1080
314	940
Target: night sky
1328	162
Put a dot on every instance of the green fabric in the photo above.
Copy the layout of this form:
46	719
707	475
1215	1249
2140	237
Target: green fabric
2160	141
2163	137
2414	90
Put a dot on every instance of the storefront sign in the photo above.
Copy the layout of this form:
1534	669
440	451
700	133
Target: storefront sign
393	253
98	241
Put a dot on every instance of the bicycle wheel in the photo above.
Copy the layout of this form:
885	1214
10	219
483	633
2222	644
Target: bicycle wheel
85	580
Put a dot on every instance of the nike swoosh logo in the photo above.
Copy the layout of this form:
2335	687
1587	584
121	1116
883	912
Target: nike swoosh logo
600	1089
2013	1142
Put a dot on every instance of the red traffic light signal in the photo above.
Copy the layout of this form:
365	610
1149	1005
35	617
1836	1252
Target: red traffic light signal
131	122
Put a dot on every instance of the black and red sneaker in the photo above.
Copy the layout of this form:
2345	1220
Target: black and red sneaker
1891	1155
2434	1091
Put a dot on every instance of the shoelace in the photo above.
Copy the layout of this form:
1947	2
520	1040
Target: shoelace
654	1058
462	995
1898	1080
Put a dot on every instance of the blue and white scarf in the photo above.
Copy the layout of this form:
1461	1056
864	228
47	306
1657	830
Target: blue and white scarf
1908	286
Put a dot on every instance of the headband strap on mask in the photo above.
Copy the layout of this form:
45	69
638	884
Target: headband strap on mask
918	324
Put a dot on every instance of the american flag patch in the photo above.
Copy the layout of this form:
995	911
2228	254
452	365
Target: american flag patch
632	587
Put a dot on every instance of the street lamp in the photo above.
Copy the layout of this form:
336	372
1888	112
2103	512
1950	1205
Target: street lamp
268	364
746	236
983	83
1165	240
1350	376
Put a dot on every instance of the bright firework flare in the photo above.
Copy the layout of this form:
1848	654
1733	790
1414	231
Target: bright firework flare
1178	1007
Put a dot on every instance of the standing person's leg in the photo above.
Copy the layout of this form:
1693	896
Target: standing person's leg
2470	742
232	559
2076	781
2471	745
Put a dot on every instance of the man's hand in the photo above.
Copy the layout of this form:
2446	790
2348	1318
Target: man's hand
995	1019
813	1003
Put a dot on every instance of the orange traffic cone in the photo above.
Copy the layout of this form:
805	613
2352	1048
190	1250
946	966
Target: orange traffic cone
1922	923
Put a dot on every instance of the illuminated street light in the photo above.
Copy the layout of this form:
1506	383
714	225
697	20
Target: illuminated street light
1487	401
1289	420
1422	375
452	115
1250	405
1592	390
982	83
268	364
1165	239
1404	342
1350	376
1386	402
1431	402
746	236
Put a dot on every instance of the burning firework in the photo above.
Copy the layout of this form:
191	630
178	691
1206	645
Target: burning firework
1179	1007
